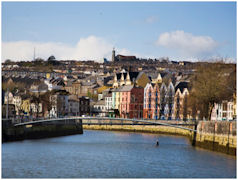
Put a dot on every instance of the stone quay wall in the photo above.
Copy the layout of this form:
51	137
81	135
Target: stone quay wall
217	136
212	135
37	131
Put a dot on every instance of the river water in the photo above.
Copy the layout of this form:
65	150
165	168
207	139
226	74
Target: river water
107	154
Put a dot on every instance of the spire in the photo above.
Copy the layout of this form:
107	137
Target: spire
159	79
128	79
122	82
115	83
122	77
127	76
115	77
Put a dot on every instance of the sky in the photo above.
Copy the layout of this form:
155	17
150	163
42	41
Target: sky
89	30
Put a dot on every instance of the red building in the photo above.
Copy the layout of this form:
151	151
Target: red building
131	101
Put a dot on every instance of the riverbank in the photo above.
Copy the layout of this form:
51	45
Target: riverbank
216	141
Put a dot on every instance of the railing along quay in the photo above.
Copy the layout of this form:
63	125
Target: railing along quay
110	121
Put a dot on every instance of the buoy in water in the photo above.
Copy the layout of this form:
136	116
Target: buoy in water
157	143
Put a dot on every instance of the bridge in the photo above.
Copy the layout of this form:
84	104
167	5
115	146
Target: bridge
109	121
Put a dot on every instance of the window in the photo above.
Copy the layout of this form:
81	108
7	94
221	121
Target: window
224	106
224	114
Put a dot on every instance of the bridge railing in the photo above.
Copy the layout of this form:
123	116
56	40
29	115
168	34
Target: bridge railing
107	121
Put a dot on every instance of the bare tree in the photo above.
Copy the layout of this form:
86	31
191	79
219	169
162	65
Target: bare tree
185	107
211	85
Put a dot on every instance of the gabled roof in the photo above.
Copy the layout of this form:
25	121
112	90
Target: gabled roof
154	75
153	84
181	85
139	75
133	75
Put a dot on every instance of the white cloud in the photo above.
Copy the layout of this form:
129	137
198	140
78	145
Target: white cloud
188	44
151	19
90	48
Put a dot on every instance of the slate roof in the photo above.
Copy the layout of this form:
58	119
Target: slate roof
26	80
109	95
181	85
126	88
117	89
133	75
153	84
101	102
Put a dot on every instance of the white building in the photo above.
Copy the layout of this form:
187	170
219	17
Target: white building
17	101
223	111
36	108
8	98
100	108
108	101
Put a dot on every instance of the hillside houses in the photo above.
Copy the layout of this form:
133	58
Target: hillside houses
114	90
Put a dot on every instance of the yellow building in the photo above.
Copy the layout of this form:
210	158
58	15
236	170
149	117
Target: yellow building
25	106
48	75
116	98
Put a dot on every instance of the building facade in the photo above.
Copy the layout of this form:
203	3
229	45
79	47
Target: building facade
223	111
151	101
130	78
131	101
181	110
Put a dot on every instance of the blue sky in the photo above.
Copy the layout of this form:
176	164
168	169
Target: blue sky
89	30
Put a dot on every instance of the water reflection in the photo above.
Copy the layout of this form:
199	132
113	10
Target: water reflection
106	154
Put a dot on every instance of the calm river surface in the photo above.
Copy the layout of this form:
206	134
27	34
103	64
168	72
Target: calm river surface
107	154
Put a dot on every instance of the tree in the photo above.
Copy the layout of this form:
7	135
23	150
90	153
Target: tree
177	106
46	103
92	96
211	85
14	86
52	61
8	62
40	60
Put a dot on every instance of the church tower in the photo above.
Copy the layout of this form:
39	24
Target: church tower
113	55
